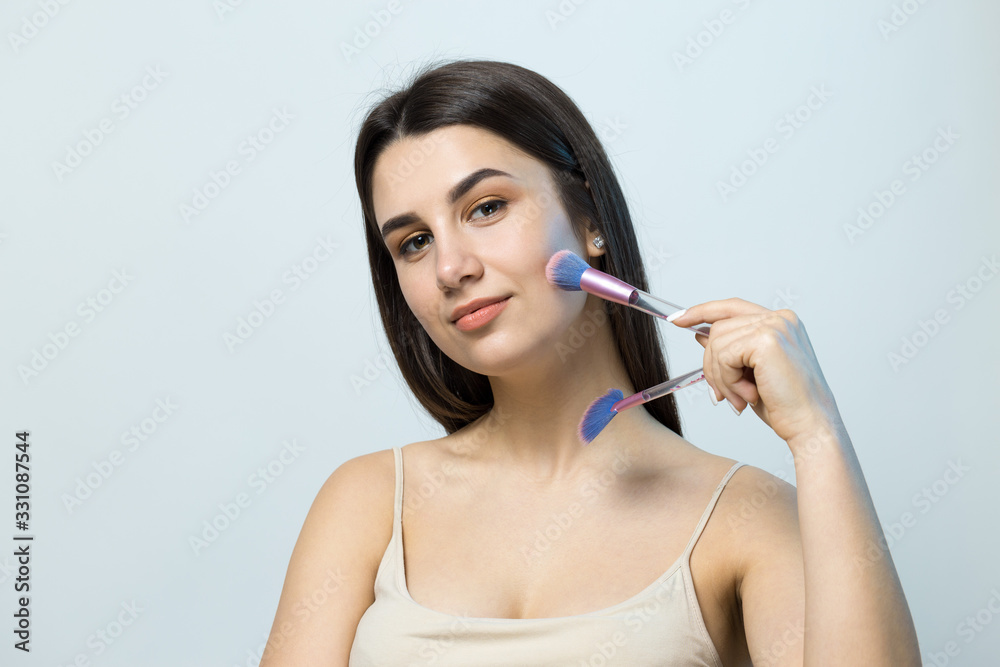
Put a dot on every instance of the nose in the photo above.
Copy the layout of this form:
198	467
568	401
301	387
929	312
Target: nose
457	260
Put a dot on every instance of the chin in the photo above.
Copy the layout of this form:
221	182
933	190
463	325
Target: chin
503	355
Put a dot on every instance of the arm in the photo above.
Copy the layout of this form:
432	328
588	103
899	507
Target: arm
331	573
770	585
815	587
853	611
855	607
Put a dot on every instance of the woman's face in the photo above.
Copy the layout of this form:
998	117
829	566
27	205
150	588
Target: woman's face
460	231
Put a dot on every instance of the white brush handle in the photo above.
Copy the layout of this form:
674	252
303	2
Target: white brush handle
657	307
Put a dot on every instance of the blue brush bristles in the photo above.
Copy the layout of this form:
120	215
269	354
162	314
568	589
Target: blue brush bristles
564	270
599	414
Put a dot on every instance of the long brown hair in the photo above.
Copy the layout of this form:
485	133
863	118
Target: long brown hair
532	113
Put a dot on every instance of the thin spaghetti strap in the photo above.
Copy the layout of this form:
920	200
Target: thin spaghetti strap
708	511
397	504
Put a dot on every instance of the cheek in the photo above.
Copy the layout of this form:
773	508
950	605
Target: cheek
415	299
561	235
531	242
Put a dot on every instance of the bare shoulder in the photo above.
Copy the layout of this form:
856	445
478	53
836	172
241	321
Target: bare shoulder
756	513
760	520
331	573
369	475
362	488
752	549
760	530
759	506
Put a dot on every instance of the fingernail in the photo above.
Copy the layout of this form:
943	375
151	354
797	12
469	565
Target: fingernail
733	407
711	395
674	316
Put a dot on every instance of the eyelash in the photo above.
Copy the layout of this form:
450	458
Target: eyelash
403	252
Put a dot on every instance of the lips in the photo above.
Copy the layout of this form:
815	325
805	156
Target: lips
482	316
474	305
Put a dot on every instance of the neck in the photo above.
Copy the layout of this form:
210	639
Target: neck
532	428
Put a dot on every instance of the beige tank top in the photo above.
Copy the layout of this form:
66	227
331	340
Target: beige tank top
661	625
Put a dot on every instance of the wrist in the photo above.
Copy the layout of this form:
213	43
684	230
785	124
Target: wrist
819	438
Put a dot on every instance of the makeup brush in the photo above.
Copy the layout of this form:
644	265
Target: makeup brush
566	270
600	413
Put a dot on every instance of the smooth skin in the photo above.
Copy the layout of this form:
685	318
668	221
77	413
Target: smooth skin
855	612
794	582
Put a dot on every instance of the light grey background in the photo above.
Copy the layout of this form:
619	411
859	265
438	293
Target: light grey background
674	132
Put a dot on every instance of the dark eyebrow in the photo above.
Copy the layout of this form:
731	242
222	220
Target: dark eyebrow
456	193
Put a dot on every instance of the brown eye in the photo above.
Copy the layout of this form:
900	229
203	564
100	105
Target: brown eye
494	206
403	249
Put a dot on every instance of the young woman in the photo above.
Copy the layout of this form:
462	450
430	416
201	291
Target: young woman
507	542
